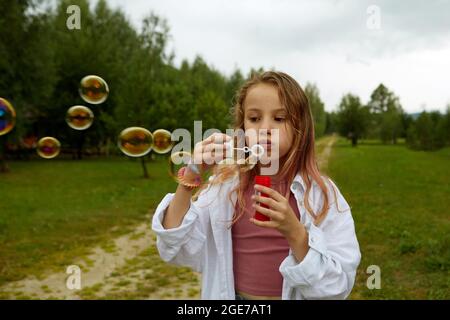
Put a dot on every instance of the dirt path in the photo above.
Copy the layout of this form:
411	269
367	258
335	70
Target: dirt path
128	268
324	156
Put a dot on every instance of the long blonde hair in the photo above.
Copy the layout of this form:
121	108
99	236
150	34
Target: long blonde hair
301	156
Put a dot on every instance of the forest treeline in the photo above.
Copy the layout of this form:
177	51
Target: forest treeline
42	63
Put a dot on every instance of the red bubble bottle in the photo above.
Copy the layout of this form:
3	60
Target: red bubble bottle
264	181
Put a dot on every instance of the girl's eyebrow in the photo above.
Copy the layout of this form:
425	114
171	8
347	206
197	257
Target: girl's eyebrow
274	111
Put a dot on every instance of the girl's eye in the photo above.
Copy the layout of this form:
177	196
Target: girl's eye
279	119
253	119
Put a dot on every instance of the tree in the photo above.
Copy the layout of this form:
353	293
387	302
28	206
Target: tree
352	118
139	93
430	131
102	47
420	134
27	66
331	123
42	63
438	130
387	114
444	126
235	81
317	109
390	126
209	92
407	121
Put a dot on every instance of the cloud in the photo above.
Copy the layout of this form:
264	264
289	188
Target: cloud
327	42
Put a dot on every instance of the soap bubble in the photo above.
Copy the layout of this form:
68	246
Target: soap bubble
162	141
178	160
135	141
79	117
48	147
257	151
7	117
237	159
93	89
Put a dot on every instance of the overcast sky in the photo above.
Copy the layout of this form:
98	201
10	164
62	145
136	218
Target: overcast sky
335	44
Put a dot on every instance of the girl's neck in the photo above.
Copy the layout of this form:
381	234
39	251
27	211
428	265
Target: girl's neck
276	178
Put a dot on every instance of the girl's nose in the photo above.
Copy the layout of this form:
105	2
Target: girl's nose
267	124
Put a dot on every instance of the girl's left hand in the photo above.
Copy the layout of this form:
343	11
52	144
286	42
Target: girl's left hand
280	212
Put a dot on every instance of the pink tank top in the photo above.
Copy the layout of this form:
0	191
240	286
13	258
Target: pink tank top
258	252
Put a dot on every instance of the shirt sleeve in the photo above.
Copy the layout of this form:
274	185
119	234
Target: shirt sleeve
183	245
329	268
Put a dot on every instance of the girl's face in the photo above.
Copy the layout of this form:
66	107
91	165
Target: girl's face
263	110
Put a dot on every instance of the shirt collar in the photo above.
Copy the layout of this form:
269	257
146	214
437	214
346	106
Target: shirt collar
298	182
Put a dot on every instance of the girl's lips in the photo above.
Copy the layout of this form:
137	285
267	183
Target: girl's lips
265	143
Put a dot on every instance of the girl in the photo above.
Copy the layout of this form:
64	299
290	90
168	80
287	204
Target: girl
308	248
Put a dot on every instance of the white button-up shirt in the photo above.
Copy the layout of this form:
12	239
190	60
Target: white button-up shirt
203	242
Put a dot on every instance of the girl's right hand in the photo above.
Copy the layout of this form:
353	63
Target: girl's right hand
211	150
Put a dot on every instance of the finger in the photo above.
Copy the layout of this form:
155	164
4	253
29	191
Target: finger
208	140
224	137
270	192
264	224
267	212
210	161
214	146
268	201
218	154
209	158
213	157
219	137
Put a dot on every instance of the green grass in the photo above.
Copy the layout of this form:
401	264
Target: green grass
52	211
400	200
